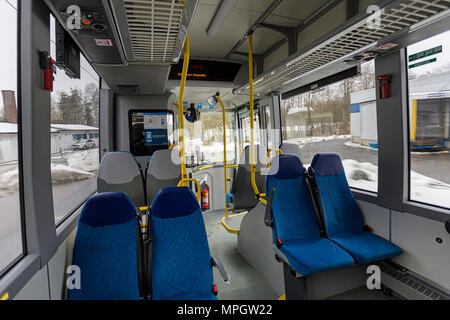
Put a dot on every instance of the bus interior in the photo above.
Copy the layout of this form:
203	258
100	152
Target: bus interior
225	149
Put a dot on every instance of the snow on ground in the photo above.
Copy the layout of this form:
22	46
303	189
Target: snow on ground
63	174
84	160
307	140
423	188
81	165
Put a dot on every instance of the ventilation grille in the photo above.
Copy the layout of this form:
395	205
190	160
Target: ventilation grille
154	28
356	38
413	283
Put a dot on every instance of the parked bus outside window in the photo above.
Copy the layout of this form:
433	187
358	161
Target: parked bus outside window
429	119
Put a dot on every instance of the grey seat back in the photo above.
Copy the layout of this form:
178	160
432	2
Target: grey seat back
291	148
120	172
162	172
242	189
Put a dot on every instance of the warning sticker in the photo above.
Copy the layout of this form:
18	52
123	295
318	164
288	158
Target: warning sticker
388	46
104	42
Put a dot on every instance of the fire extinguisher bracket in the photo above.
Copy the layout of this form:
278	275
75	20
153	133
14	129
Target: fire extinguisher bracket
384	86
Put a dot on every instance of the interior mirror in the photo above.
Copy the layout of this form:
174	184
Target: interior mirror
192	114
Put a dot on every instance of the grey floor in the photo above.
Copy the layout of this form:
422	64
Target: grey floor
246	283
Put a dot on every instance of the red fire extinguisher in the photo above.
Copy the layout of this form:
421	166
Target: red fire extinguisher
205	196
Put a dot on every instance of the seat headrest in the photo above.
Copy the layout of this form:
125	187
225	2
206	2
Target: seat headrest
163	167
118	167
286	166
291	148
327	164
174	202
106	209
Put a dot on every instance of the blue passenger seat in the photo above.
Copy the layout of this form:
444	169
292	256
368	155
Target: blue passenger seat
106	249
342	216
181	260
296	231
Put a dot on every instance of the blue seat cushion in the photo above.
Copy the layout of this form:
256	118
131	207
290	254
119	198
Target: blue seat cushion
313	256
229	197
366	247
193	296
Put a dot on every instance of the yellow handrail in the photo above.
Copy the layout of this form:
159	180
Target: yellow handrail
174	145
252	120
280	152
203	168
225	166
5	296
227	227
414	121
183	182
180	106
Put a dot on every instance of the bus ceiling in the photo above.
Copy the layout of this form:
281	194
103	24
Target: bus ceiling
126	41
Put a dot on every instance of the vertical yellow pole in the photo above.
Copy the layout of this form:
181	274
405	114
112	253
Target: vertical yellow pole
225	164
180	107
252	115
414	121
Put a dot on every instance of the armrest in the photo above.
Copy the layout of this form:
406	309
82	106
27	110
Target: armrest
217	264
268	218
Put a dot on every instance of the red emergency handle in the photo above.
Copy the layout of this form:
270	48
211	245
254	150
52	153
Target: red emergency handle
48	76
384	85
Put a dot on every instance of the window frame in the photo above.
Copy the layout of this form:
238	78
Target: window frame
24	252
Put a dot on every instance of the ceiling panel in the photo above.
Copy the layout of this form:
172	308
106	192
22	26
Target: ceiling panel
289	13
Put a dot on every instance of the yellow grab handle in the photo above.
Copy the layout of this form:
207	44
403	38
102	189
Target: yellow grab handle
174	145
280	152
184	181
5	296
203	168
180	106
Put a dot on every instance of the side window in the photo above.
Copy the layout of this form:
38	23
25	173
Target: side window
429	119
246	130
11	245
340	118
74	114
205	142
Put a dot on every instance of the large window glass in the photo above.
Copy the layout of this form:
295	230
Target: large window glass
246	131
204	140
429	115
340	118
11	246
74	135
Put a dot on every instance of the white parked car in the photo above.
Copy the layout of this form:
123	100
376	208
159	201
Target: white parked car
84	144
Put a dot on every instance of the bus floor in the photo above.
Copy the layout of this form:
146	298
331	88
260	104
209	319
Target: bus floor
245	282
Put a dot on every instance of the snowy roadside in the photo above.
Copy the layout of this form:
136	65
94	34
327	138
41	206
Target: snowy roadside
308	140
81	165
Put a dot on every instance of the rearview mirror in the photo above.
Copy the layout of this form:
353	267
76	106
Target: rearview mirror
192	114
